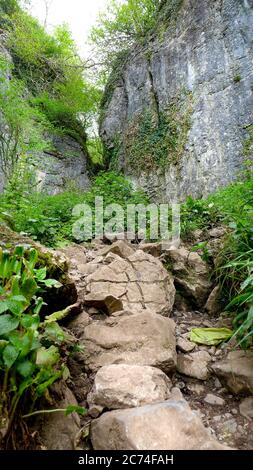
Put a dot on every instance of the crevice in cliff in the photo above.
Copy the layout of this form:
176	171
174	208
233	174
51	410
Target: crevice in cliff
126	99
155	99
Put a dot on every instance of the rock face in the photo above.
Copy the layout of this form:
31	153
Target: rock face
143	338
139	281
170	425
127	386
206	50
236	370
191	275
63	167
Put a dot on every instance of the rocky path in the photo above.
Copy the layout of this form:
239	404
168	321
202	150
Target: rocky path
146	386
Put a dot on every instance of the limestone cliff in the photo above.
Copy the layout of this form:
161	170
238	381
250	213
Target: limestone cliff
187	96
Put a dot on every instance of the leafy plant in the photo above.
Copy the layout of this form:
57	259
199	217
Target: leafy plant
30	349
198	214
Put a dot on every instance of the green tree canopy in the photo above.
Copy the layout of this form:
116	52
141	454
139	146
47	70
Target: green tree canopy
121	25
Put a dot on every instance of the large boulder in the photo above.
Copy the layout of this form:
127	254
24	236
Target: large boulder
191	275
125	386
236	371
139	281
170	425
142	338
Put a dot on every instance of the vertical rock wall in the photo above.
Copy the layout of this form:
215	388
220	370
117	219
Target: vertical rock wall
206	51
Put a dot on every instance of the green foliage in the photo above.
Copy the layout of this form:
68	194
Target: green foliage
122	25
198	214
153	142
95	150
23	127
49	87
53	70
237	78
29	352
7	8
49	219
232	206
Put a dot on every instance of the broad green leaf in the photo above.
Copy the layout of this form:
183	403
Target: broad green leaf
16	306
19	251
29	288
3	306
44	386
10	354
36	344
47	357
22	341
3	343
7	324
210	336
54	332
52	283
5	268
18	298
25	368
33	257
40	274
30	321
15	285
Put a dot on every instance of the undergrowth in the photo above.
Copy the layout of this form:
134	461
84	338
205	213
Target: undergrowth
32	347
50	219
